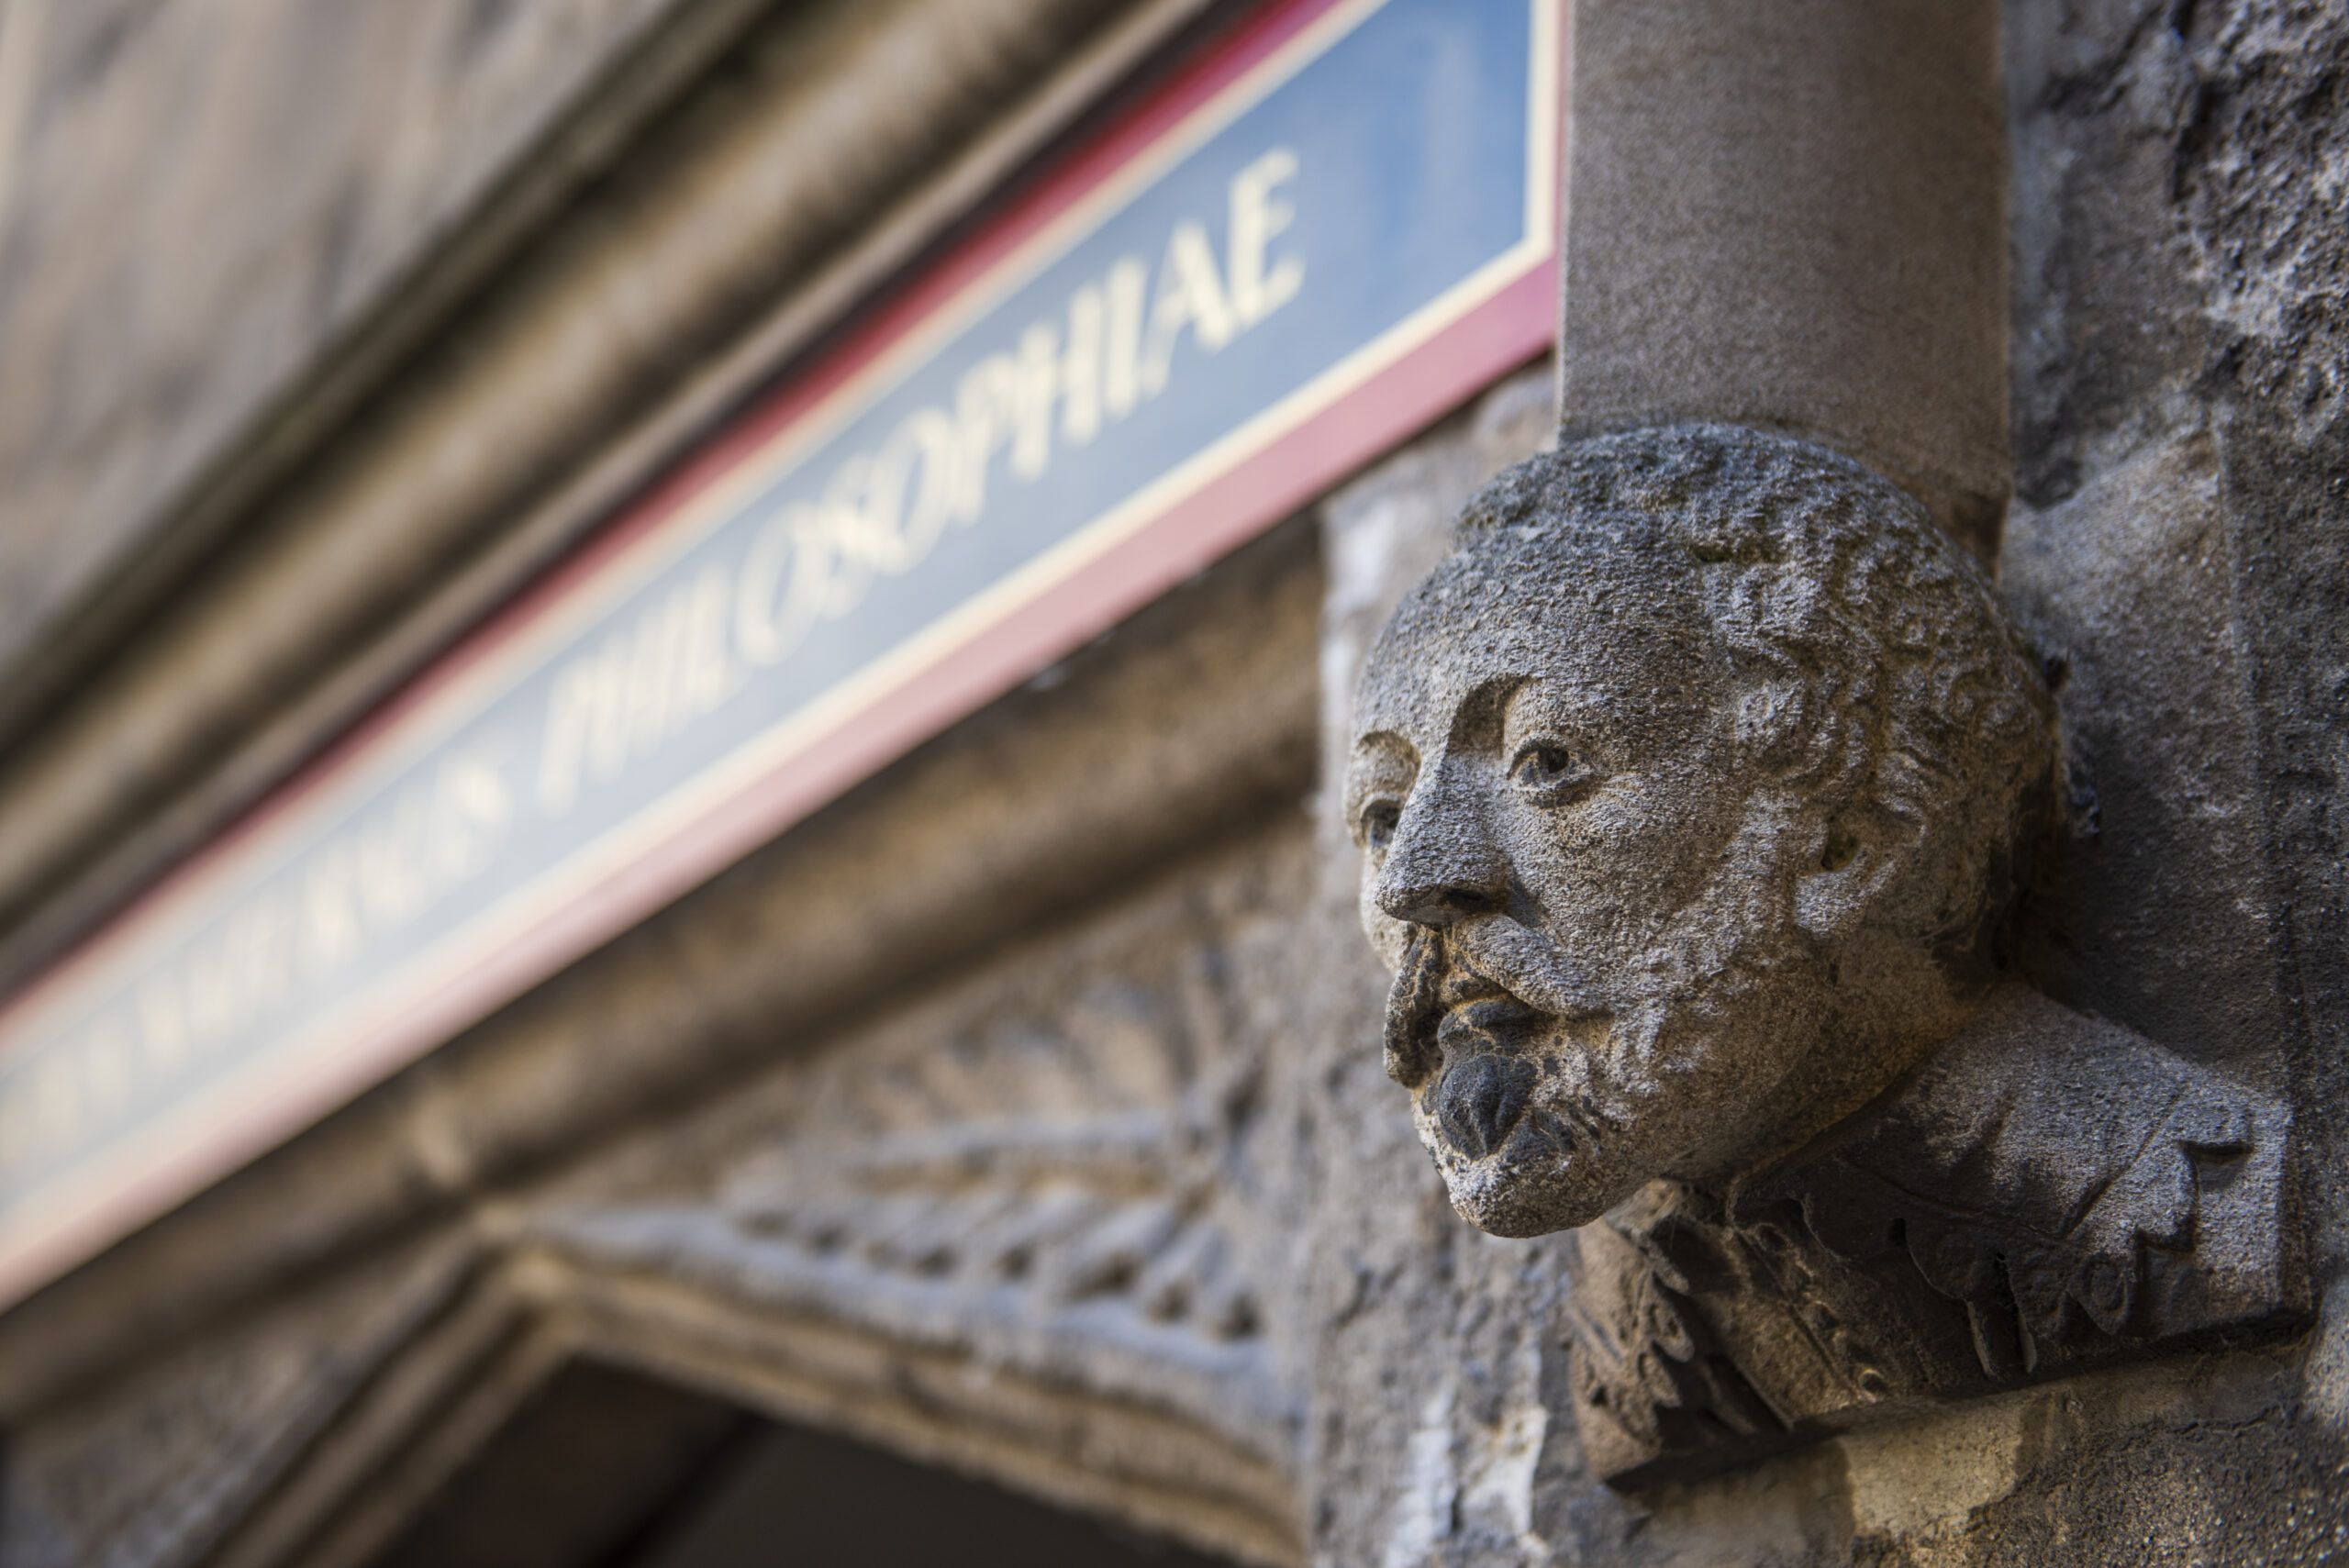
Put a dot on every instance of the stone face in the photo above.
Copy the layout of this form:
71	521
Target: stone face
1694	790
1690	789
2023	1293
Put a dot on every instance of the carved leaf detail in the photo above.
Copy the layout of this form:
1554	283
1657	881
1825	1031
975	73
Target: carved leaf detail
1070	1159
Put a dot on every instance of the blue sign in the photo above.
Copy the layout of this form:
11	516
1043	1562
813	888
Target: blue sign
1310	245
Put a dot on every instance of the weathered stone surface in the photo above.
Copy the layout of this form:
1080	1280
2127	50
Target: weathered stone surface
1023	1221
1438	1429
2049	1195
1056	1163
1187	723
1428	1382
653	1148
1061	1168
1788	216
1694	789
816	161
2179	310
153	1469
2125	588
196	199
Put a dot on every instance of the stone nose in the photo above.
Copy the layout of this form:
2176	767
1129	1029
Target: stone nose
1442	864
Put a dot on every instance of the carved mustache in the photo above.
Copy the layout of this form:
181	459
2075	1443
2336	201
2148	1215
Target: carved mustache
1493	949
1412	1009
1496	949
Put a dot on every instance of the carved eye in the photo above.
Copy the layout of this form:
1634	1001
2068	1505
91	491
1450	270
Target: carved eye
1549	770
1378	820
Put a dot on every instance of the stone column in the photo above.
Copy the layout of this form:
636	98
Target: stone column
1779	213
1791	214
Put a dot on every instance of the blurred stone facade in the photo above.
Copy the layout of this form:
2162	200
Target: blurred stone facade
1020	1113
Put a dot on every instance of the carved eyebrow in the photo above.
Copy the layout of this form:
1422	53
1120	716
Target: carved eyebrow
1482	713
1564	704
1375	753
1384	745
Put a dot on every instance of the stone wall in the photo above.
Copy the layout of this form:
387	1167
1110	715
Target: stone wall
1082	957
945	1121
2175	547
198	202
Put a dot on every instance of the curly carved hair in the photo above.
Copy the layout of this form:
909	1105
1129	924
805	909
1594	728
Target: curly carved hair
1877	670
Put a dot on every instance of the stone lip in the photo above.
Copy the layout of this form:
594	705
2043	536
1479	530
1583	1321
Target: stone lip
1480	1100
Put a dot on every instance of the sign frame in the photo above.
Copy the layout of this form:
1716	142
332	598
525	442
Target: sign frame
1233	489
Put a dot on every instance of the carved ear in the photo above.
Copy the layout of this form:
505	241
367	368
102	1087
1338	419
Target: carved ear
1773	713
1847	868
1788	727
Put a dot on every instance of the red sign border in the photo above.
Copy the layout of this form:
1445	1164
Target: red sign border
1508	329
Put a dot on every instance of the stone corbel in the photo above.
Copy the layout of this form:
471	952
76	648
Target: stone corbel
1698	789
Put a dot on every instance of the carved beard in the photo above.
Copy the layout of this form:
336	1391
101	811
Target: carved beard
1548	1096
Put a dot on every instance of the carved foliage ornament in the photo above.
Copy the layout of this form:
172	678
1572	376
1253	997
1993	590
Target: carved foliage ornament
1694	790
1044	1170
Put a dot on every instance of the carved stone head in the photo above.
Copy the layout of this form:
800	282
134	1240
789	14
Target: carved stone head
1691	790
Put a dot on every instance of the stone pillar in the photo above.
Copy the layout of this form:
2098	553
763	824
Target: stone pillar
1791	215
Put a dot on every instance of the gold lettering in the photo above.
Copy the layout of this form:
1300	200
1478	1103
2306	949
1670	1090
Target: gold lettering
109	1069
891	538
1081	368
163	1022
1030	392
330	924
1257	217
784	584
55	1092
649	706
579	691
1190	298
1121	358
709	674
471	809
211	992
846	530
384	868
